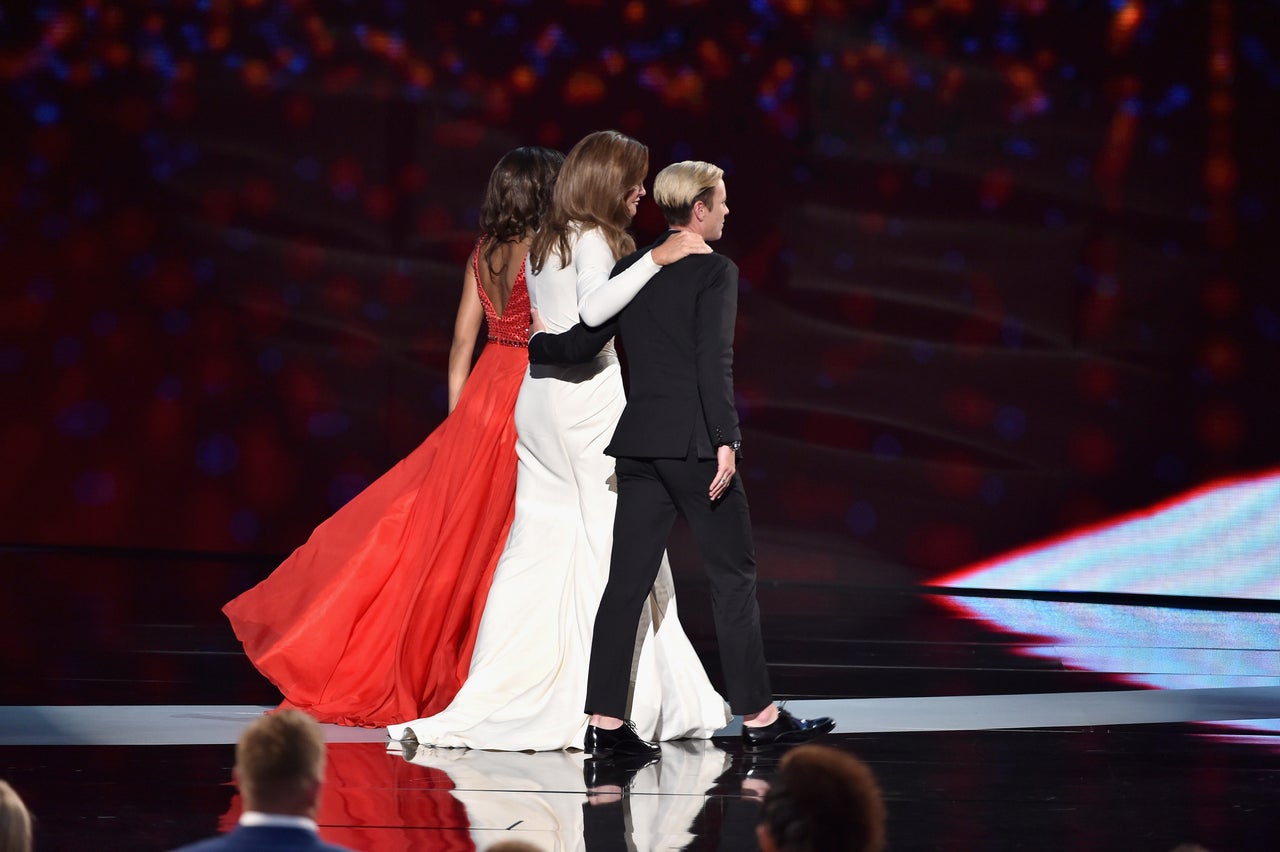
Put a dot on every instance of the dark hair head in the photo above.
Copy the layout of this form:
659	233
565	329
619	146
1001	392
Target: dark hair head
518	195
823	800
15	820
591	192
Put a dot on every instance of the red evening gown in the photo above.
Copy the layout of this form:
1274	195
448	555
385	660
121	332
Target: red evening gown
372	622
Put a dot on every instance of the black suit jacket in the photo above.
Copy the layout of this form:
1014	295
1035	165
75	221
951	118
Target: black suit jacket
679	336
578	345
678	332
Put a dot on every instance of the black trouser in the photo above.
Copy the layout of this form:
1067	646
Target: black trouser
650	493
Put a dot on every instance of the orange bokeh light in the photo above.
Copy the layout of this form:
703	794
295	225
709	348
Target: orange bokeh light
255	74
1124	26
714	58
584	87
523	79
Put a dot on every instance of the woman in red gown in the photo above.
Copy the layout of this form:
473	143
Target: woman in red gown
372	621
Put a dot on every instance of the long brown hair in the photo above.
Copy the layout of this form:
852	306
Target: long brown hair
591	192
518	195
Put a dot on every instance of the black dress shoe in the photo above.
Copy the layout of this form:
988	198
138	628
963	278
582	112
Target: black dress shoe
614	771
759	766
786	730
601	742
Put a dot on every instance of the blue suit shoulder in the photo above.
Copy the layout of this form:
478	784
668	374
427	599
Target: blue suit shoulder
263	837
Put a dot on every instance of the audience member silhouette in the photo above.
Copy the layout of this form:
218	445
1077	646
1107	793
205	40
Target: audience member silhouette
821	800
15	821
279	770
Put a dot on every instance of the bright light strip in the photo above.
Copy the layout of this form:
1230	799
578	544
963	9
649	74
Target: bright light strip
1222	540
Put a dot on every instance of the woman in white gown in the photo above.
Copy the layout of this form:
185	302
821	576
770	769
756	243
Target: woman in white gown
528	674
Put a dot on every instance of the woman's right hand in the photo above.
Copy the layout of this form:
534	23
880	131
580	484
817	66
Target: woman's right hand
679	245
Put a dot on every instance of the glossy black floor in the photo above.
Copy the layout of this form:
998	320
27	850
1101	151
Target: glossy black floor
135	630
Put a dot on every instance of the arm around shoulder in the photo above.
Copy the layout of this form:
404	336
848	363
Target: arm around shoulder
601	297
575	346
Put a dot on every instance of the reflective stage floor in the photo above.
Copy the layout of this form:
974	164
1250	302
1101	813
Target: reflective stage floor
992	721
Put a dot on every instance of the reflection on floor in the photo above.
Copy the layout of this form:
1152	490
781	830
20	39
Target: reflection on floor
1155	646
1089	787
992	722
1217	542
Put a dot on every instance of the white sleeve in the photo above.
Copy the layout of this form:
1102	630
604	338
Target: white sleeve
600	297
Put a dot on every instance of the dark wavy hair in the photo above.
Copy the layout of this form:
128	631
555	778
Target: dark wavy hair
591	192
824	800
518	196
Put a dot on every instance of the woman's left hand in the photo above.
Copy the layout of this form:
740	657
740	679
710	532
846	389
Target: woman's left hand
726	467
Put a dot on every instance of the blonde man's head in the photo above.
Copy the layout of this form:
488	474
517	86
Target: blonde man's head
280	764
680	186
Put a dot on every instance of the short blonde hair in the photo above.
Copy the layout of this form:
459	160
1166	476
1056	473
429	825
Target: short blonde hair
15	820
279	757
681	185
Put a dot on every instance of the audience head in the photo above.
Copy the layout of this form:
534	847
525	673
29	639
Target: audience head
598	187
680	186
519	192
280	764
15	821
821	800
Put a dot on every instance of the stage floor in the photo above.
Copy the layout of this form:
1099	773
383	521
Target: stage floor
992	722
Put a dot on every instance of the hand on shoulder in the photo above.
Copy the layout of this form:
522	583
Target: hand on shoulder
678	246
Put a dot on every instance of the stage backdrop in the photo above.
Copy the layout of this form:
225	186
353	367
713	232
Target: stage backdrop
1008	269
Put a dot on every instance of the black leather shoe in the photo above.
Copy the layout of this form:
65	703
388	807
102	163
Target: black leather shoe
614	771
759	766
786	730
601	742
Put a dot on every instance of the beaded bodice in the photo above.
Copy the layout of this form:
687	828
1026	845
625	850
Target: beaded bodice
511	328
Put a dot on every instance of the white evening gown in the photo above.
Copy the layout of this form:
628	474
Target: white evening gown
528	677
